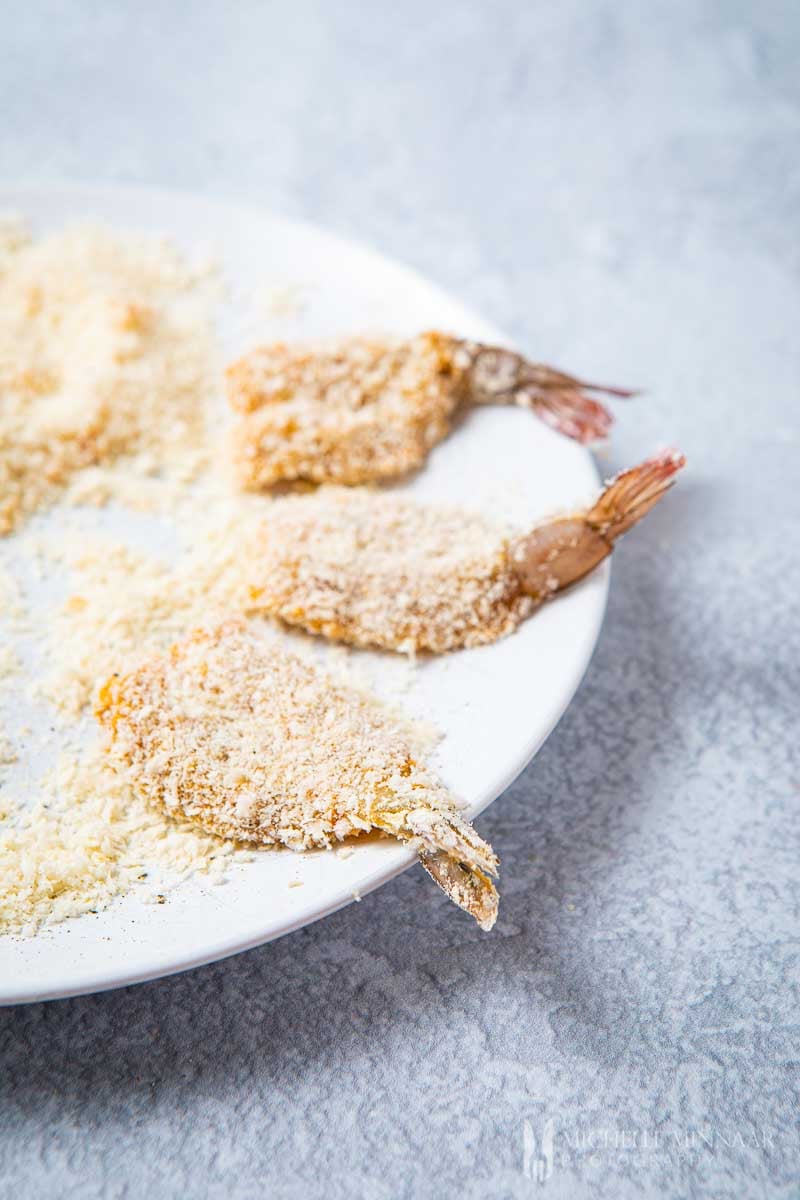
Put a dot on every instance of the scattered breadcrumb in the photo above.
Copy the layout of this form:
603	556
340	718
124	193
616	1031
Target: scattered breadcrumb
9	663
11	603
88	839
124	602
105	354
286	301
8	753
127	486
373	570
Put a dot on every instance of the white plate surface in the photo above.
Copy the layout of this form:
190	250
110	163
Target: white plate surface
495	705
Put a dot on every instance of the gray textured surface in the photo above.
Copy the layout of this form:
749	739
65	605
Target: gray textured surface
617	183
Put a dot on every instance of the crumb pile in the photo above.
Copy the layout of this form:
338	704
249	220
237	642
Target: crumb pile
105	355
372	570
88	839
252	743
358	410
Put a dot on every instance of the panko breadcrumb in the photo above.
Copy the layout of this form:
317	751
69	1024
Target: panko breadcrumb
370	569
88	839
105	354
122	602
107	364
354	411
252	743
77	837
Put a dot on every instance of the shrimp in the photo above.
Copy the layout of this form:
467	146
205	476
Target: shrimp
375	571
364	409
251	743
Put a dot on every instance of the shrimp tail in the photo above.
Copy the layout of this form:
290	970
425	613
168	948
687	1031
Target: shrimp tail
467	887
562	401
631	494
570	412
559	553
458	860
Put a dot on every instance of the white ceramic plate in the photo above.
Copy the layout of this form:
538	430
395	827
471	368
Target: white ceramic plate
495	705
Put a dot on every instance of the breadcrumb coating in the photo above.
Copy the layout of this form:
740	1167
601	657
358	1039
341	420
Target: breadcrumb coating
373	570
252	743
364	409
104	355
370	569
359	410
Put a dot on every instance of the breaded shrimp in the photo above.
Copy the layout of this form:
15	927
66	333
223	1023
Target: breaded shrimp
253	744
364	409
373	570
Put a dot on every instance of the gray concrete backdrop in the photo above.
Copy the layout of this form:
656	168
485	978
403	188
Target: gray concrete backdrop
616	182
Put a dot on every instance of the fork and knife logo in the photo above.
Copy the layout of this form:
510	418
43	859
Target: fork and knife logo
537	1156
